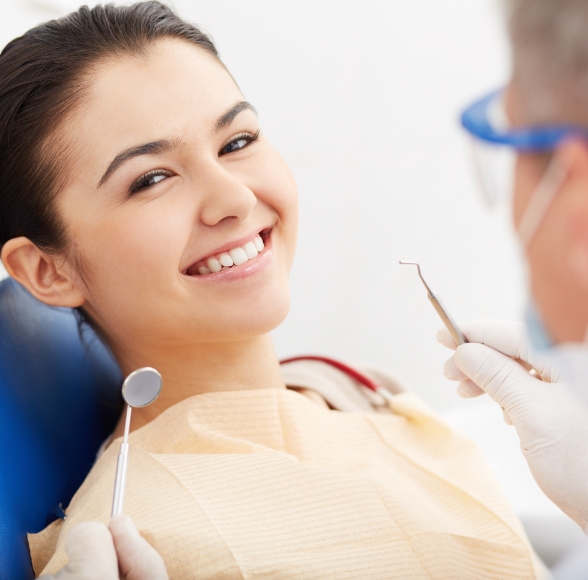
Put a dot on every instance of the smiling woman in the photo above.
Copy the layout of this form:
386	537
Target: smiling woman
139	187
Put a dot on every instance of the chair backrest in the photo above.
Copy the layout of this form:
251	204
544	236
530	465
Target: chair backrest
59	399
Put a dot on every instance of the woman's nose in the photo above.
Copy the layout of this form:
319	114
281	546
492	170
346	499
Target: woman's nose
224	197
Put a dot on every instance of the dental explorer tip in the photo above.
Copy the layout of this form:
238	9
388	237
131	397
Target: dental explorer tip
405	262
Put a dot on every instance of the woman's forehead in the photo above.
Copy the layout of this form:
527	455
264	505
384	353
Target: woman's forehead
172	79
174	89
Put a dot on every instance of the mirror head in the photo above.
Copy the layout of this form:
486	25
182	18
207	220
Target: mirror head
142	387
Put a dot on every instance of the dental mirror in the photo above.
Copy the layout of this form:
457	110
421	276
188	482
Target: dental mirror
140	389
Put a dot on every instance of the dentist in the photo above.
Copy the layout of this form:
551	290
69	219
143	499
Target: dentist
531	142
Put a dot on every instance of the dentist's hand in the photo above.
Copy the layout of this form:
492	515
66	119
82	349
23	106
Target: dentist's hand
551	423
97	552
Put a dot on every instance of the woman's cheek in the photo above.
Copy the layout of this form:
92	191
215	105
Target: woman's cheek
144	250
274	184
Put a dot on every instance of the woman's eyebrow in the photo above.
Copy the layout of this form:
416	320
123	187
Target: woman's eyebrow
164	145
227	118
152	148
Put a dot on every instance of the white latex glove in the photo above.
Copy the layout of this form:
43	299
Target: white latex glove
551	423
98	553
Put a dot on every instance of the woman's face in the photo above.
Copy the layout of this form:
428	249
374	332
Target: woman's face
168	175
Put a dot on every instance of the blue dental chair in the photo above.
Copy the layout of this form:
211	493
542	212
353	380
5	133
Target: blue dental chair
59	399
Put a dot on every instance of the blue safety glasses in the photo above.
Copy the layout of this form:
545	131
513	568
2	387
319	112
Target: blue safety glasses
496	143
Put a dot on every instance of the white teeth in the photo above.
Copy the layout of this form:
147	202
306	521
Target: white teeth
235	257
225	260
250	250
214	265
239	256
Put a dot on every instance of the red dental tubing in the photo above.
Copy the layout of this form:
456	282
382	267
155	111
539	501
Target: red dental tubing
360	377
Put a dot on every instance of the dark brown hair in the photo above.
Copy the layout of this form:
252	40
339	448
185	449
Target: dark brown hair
42	78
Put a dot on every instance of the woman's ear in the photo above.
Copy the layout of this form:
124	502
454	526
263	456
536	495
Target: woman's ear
48	278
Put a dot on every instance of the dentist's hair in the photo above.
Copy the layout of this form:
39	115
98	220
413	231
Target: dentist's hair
550	58
44	75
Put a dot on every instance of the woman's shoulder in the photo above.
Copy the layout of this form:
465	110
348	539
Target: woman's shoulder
345	386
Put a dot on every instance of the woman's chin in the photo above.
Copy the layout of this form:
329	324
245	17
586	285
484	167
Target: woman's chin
260	316
260	320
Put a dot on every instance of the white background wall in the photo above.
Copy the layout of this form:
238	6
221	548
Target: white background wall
362	98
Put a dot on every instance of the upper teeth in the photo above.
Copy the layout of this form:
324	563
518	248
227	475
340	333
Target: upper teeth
234	257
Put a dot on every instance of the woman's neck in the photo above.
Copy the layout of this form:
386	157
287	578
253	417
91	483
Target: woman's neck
207	368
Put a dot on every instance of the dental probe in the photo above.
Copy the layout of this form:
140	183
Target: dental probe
442	311
140	389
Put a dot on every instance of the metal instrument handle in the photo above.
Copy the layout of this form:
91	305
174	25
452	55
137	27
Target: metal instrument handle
439	307
121	468
120	481
448	321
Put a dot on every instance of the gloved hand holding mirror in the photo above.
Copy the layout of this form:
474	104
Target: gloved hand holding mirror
98	552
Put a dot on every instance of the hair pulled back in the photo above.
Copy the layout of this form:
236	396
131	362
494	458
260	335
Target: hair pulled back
42	76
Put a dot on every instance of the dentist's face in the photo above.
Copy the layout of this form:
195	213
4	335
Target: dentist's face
169	181
557	290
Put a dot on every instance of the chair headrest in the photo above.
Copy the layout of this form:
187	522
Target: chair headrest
59	399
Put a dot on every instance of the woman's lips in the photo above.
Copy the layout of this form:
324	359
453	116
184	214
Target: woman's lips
238	256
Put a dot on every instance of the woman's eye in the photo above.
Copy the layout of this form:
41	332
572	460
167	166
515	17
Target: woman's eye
238	142
149	179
